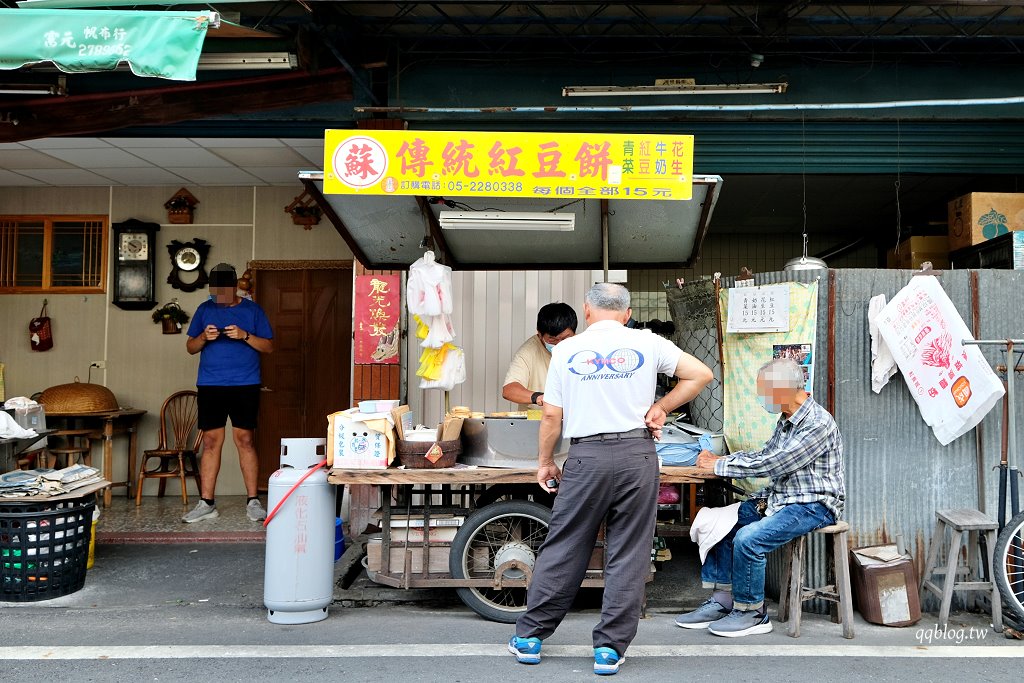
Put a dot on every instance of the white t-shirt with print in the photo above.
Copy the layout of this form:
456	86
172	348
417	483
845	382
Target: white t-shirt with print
604	379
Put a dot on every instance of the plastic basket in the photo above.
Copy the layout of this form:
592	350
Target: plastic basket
44	548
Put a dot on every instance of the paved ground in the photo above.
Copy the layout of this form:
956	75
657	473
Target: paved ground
194	612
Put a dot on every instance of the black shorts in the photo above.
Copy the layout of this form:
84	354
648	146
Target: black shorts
217	404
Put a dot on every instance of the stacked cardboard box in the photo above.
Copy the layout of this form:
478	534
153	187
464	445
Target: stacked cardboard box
914	251
980	216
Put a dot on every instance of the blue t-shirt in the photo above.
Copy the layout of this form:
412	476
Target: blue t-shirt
226	362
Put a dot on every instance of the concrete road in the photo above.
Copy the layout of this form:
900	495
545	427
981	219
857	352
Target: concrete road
194	613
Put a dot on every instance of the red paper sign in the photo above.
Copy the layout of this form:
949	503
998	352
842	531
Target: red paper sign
377	317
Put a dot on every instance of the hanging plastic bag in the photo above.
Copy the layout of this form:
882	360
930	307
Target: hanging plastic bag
39	334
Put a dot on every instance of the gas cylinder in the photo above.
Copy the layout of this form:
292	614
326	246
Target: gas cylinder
298	580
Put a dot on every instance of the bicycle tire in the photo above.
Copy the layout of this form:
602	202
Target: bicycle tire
1009	561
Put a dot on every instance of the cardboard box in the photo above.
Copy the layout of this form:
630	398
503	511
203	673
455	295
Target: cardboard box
886	590
980	216
438	556
352	444
914	251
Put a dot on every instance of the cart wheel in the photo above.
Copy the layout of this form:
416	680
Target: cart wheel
499	492
503	532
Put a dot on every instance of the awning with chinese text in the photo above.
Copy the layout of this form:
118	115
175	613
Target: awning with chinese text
157	44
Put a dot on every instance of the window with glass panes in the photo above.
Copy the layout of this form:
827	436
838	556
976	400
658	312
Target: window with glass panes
53	253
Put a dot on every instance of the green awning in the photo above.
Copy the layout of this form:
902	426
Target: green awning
158	44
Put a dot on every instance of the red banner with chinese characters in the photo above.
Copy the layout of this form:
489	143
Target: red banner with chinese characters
377	319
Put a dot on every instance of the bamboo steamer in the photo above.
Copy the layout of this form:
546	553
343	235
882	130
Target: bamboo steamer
78	397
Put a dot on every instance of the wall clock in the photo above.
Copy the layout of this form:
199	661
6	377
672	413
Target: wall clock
134	265
188	264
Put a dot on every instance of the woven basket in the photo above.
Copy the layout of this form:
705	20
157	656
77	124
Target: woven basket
410	454
78	397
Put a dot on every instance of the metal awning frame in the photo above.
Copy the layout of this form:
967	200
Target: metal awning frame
433	235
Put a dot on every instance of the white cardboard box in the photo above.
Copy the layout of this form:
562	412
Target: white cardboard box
352	444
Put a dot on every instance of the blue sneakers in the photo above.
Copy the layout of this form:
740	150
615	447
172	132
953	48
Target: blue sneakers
526	650
607	661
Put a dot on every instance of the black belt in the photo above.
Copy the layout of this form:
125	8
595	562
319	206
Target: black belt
639	433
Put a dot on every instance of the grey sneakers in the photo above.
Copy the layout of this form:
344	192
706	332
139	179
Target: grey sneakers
201	511
742	623
710	611
254	511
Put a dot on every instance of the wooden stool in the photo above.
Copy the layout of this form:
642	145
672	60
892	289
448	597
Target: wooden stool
77	447
967	527
793	591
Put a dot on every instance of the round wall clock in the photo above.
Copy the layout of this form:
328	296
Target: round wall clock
188	259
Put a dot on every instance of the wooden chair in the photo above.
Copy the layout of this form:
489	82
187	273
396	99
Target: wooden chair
180	441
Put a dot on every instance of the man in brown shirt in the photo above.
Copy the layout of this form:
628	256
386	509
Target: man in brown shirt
524	382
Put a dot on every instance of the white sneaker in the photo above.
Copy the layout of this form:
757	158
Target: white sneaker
254	511
201	511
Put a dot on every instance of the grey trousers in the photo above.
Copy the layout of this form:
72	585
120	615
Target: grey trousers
611	481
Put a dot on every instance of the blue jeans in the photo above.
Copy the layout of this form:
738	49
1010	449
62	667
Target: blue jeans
738	560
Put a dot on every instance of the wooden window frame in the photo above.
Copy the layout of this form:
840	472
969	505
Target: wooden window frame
47	274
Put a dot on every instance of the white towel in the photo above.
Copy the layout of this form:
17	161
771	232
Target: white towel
883	365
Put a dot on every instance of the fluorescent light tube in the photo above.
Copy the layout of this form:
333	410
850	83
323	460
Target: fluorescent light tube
507	220
618	90
29	89
236	61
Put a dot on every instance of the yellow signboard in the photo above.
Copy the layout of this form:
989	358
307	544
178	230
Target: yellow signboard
489	164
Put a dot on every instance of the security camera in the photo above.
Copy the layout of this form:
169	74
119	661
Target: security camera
756	60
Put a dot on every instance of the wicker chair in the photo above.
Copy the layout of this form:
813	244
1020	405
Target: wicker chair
180	441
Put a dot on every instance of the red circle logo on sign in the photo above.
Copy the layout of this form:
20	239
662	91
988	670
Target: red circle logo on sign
360	162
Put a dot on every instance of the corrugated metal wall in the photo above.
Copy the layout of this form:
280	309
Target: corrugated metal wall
897	473
494	312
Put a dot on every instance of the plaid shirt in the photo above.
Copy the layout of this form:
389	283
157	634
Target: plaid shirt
803	458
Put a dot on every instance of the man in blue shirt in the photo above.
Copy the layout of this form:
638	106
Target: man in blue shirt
229	333
804	460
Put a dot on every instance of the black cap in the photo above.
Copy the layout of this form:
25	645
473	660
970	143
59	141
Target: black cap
223	275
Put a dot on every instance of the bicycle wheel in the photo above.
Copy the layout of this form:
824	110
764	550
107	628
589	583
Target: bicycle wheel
493	536
1009	560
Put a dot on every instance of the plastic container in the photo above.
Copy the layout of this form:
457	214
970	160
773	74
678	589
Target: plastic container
377	406
44	548
339	538
92	539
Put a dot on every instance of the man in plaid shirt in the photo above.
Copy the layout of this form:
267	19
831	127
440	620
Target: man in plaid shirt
804	460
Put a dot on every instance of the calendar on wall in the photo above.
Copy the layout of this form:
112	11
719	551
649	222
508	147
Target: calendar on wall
758	309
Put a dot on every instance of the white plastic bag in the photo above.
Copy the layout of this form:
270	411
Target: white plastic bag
953	384
429	287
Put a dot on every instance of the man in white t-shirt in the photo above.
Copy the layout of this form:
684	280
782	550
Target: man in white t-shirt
600	393
528	371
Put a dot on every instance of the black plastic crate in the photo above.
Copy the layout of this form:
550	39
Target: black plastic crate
44	548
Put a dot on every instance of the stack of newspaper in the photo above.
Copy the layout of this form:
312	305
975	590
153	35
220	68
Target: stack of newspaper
47	482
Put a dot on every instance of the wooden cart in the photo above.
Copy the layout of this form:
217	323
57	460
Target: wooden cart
491	558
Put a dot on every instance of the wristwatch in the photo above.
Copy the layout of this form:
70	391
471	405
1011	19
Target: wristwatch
534	395
246	337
